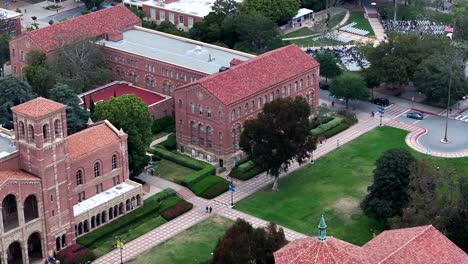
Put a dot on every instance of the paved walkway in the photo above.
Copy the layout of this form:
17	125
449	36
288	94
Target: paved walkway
373	17
221	204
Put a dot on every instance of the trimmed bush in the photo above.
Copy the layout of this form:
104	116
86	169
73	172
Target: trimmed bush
243	176
75	254
170	143
349	117
166	123
246	166
210	186
324	127
164	194
341	127
177	210
319	121
215	190
241	161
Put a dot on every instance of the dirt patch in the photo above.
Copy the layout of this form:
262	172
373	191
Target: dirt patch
346	207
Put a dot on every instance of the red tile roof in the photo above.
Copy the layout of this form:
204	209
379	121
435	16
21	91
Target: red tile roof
16	175
38	107
90	25
258	74
311	250
90	140
417	245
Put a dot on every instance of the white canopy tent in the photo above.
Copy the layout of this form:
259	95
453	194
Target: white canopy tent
302	15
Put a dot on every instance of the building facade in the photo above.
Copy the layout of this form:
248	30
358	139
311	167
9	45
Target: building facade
56	187
10	22
210	112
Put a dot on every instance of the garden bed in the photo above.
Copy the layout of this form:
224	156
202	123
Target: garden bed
328	126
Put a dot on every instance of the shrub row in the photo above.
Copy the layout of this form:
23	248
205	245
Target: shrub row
177	210
210	187
341	127
166	124
241	161
75	254
170	143
317	121
324	127
149	206
243	176
348	117
246	166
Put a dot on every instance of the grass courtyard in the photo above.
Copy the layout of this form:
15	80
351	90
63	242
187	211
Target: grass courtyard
334	186
171	171
193	245
361	22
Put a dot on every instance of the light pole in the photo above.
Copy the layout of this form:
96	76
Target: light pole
395	10
445	139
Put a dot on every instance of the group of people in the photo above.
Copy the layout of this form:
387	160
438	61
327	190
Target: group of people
351	57
421	27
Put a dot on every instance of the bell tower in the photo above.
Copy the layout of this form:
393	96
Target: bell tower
41	130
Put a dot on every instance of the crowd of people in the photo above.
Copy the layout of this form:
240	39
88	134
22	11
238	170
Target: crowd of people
350	57
421	27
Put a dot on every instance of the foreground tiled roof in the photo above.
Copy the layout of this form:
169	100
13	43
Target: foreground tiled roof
311	250
16	175
90	140
417	245
38	107
258	73
90	25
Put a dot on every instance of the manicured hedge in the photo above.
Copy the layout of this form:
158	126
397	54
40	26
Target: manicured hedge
164	194
243	176
177	210
341	127
170	143
210	187
241	161
75	254
246	166
324	127
166	124
320	120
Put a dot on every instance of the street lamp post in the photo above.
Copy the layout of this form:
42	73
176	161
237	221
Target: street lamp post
445	139
395	10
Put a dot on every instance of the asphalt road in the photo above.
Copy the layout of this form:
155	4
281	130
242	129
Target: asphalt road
72	13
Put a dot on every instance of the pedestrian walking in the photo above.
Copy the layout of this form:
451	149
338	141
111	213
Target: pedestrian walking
211	209
206	209
333	103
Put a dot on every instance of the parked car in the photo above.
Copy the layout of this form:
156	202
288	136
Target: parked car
324	86
381	101
415	115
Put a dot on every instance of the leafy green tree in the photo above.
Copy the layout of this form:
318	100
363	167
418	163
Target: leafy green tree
328	65
131	114
461	20
225	7
37	72
244	244
4	51
139	13
92	3
388	195
433	75
76	116
209	30
278	11
12	92
279	135
349	86
315	5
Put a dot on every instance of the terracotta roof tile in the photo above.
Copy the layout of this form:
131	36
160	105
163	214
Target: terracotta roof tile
93	24
16	175
38	107
258	74
90	140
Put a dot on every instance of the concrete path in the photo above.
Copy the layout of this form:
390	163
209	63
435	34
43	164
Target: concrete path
373	17
159	140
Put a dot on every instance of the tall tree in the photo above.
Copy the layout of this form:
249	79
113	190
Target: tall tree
349	86
279	135
388	195
461	20
80	64
4	51
92	3
76	116
328	65
225	7
131	114
244	244
278	11
37	72
12	92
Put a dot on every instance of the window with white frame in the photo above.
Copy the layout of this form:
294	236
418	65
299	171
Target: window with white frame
181	19
171	17
97	169
114	161
190	22
79	177
162	15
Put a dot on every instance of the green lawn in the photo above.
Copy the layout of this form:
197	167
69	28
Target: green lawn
362	22
336	19
416	12
193	245
309	42
171	171
305	31
334	186
159	135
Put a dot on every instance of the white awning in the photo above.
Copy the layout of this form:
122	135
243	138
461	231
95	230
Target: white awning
302	12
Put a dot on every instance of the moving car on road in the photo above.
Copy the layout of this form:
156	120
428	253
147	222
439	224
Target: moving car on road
415	115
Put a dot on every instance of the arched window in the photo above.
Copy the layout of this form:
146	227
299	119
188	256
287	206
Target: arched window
193	125
200	109
97	169
209	130
45	132
114	161
180	103
289	89
9	212
277	93
208	112
21	130
239	110
201	127
64	240
252	106
265	99
31	211
30	134
57	128
301	84
58	244
259	103
308	80
295	86
246	108
284	91
233	115
192	107
272	96
79	177
220	116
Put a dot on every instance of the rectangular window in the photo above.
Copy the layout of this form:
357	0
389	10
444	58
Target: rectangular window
153	13
209	143
202	141
181	19
116	180
190	22
171	17
99	188
162	15
81	196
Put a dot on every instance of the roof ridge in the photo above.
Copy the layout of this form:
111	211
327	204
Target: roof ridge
329	251
404	245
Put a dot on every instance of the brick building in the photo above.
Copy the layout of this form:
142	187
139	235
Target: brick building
10	22
56	187
210	111
416	245
103	23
